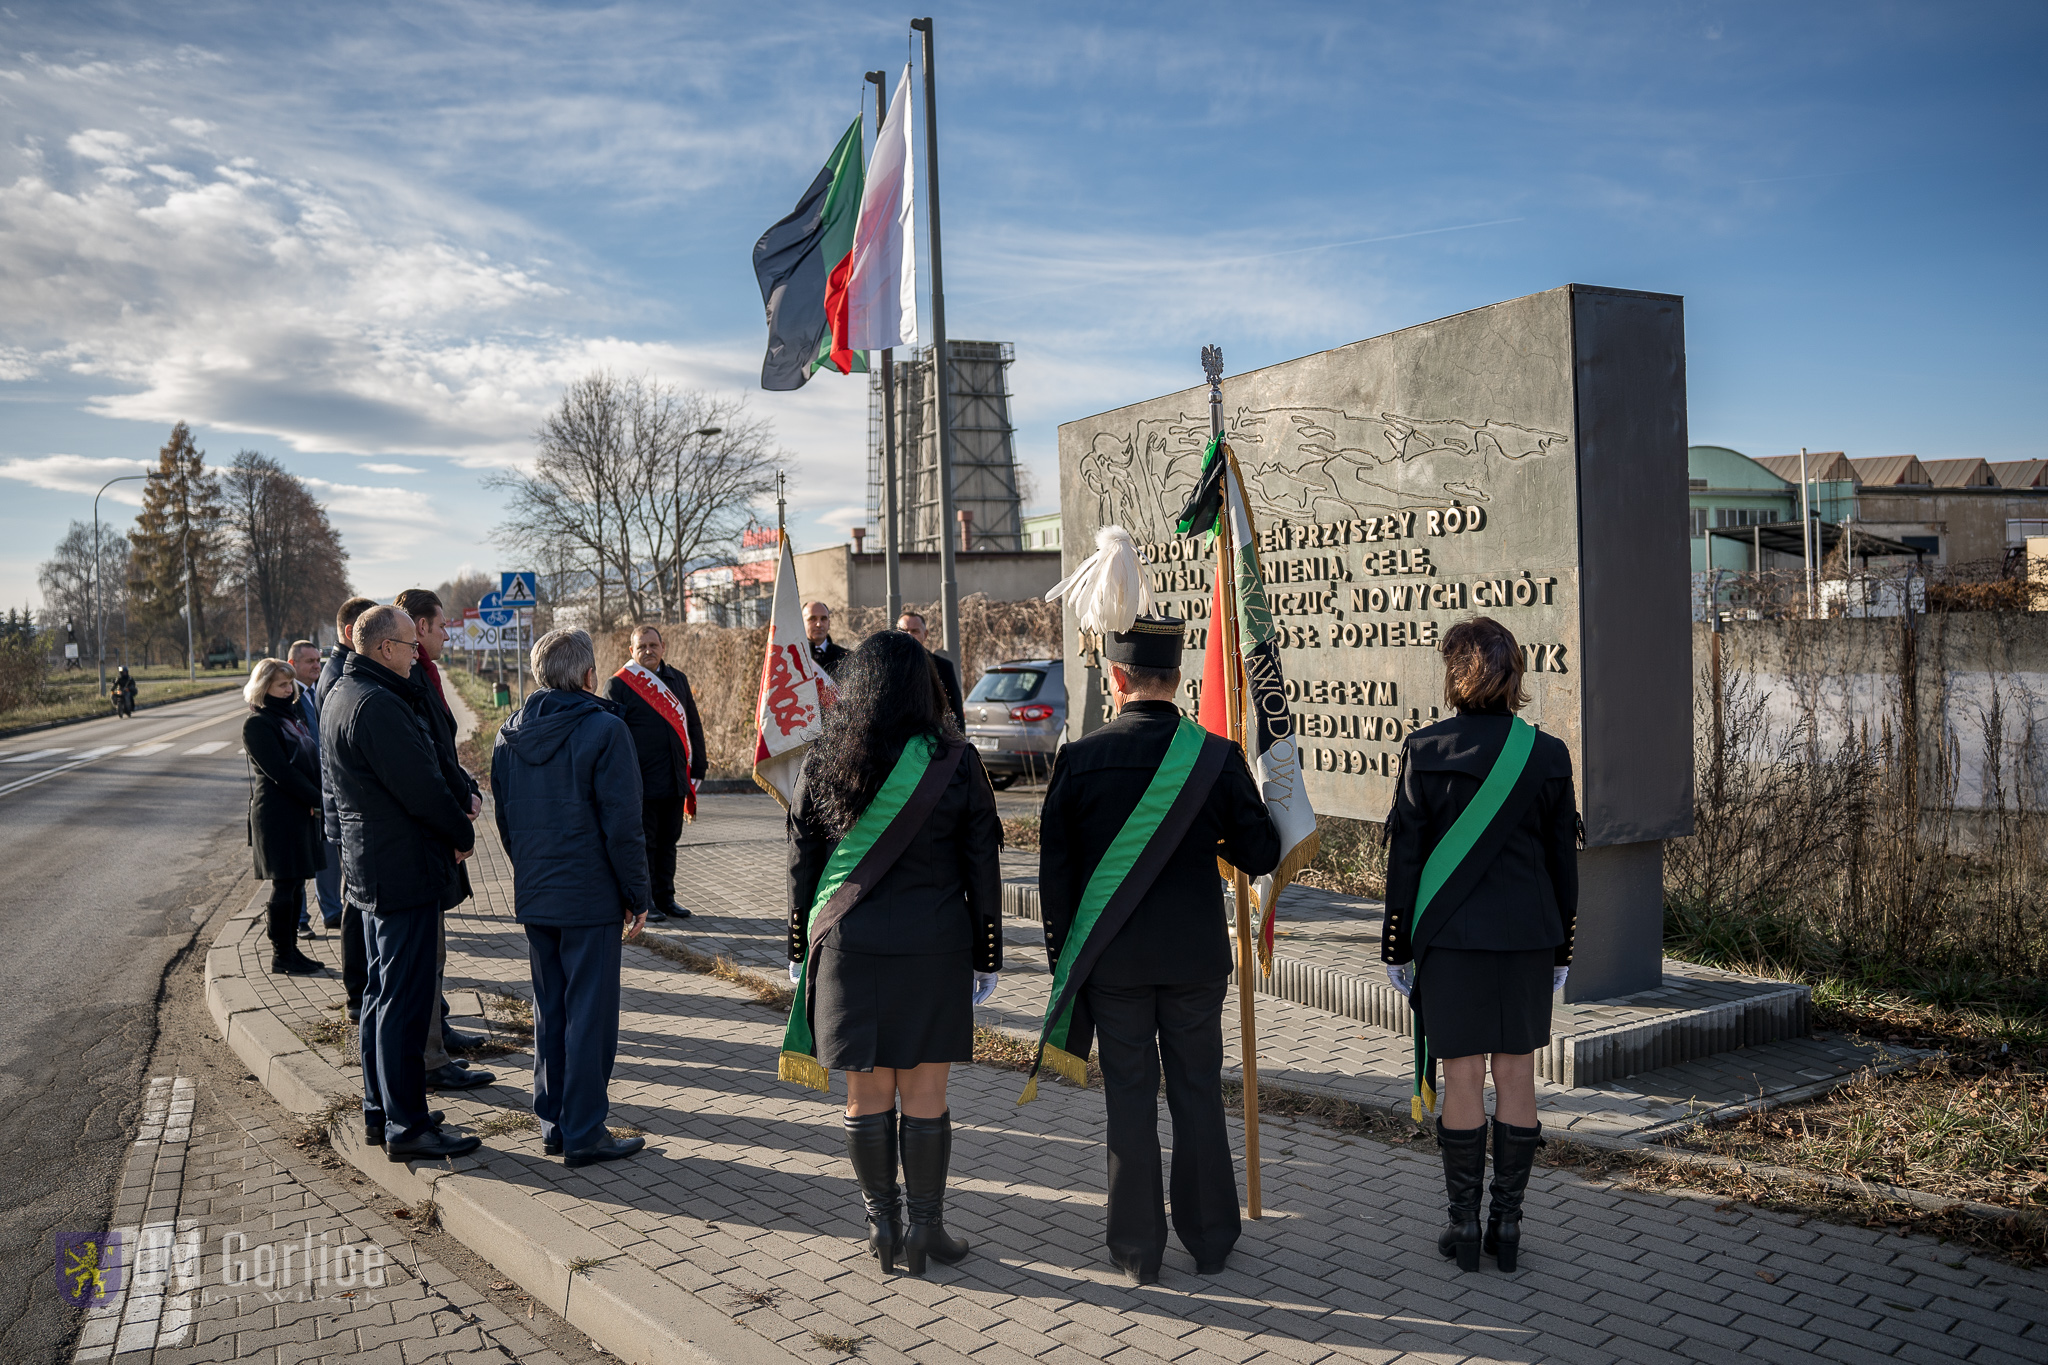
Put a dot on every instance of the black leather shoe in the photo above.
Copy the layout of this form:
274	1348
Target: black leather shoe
606	1149
455	1040
308	931
656	917
373	1129
552	1146
674	911
1139	1271
926	1146
454	1077
355	1014
296	964
430	1144
1212	1267
1464	1151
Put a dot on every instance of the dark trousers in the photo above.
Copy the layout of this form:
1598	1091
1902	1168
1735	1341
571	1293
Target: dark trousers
1137	1029
282	914
327	882
355	953
397	1000
575	1028
661	820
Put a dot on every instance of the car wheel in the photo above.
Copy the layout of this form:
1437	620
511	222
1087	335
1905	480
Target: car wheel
1002	782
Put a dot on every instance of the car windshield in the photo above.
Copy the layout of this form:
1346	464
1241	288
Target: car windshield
1008	685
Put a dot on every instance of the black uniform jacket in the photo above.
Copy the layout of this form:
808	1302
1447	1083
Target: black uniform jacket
943	895
828	655
284	793
1176	935
433	711
401	823
655	740
330	674
1528	897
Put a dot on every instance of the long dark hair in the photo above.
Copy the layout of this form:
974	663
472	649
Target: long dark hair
889	694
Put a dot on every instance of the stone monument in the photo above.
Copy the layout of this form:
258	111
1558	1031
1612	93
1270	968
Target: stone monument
1524	461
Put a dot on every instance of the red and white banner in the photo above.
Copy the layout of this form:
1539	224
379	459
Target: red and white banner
794	690
881	293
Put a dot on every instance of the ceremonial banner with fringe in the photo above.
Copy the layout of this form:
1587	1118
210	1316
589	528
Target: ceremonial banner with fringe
863	856
1252	672
1133	861
1457	862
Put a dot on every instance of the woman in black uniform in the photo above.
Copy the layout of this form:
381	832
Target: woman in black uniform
284	805
893	981
1498	892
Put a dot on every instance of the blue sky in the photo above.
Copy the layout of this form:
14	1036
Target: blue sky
375	241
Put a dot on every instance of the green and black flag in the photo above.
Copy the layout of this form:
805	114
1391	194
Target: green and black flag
803	264
1150	834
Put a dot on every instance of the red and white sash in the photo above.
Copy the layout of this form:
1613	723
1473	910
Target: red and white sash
655	693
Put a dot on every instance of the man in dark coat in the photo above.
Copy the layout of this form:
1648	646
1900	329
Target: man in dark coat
355	952
304	657
911	623
651	696
565	784
403	836
444	1072
818	632
1155	992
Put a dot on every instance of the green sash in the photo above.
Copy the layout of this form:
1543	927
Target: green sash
1447	857
799	1050
1110	876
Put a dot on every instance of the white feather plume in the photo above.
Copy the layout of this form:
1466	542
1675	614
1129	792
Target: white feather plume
1108	592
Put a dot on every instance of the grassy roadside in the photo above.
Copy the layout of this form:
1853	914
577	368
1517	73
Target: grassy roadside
75	696
475	752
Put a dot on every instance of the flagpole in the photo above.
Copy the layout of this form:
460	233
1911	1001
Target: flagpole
949	586
892	571
1224	636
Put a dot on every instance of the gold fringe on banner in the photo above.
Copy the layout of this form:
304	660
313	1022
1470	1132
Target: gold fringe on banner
1065	1063
1425	1103
794	1066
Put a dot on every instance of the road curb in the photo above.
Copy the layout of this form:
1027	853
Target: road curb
62	721
619	1303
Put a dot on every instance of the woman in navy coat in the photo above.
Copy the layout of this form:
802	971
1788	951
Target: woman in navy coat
284	805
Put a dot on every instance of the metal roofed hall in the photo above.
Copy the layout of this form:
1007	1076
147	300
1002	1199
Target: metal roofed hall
1966	473
1891	471
1822	466
2019	473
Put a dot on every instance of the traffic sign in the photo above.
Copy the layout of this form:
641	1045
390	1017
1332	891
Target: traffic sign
493	612
515	589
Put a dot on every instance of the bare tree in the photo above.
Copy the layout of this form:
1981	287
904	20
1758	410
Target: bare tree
281	548
635	484
66	580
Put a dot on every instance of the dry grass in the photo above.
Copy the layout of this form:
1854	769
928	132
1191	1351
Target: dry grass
1020	832
510	1012
505	1122
744	1299
1349	858
326	1032
837	1343
776	995
1008	1052
316	1130
583	1265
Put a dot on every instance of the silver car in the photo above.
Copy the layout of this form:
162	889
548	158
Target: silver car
1016	715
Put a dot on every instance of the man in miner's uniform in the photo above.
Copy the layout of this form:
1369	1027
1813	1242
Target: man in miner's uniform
1135	818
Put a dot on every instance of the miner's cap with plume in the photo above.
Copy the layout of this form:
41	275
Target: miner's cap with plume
1111	598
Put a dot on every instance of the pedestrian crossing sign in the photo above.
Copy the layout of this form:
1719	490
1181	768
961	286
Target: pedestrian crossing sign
515	589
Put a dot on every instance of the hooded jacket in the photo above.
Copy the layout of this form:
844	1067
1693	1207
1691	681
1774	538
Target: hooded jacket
400	826
565	784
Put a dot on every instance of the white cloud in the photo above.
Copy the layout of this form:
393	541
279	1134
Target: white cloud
376	468
77	474
103	145
193	127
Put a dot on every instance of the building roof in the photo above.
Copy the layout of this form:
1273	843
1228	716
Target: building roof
1891	471
2019	473
1823	466
1718	467
1969	473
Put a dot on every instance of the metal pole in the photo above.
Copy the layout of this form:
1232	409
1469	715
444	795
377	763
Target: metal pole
1806	531
702	434
99	594
942	368
185	515
892	567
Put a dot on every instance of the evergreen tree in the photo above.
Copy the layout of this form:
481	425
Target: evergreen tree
176	549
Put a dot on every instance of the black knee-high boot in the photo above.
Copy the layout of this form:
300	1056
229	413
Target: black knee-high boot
1464	1152
927	1146
282	923
871	1146
1514	1152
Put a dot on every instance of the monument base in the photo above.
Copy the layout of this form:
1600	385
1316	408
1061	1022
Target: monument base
1327	956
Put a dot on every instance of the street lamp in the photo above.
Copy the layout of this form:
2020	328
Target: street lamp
702	434
98	588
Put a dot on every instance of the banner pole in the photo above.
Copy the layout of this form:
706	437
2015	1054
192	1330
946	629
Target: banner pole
1224	637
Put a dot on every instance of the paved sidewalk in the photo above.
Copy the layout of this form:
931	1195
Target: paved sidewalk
744	1203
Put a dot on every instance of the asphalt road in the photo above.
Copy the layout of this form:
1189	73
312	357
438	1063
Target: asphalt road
116	838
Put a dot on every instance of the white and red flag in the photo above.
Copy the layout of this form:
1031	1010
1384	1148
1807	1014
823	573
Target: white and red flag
794	690
881	293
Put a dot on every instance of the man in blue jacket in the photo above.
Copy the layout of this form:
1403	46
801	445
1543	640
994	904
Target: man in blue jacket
565	780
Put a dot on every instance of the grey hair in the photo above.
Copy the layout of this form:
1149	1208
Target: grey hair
562	657
260	674
377	625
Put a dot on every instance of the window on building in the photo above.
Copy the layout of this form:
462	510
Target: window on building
1699	522
1931	544
1745	516
1696	483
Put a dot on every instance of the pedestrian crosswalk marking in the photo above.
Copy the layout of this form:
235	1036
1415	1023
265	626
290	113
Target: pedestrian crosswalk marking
101	752
145	750
29	758
210	747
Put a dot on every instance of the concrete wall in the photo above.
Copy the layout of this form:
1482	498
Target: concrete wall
841	579
1970	521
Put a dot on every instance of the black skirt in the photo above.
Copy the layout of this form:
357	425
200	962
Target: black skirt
872	1011
1475	1001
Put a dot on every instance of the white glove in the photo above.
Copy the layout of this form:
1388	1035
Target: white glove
1557	976
1402	975
984	986
796	972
